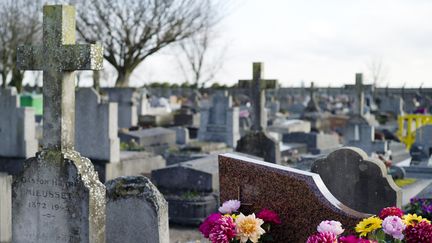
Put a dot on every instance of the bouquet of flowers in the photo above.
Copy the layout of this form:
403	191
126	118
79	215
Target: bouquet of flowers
391	225
229	225
420	206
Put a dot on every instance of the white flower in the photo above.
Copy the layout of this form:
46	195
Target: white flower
229	207
330	226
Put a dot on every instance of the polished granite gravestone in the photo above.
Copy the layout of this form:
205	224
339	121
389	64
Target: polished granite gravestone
136	211
58	197
366	185
300	198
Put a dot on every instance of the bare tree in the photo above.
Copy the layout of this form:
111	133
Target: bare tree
20	23
377	71
199	60
132	30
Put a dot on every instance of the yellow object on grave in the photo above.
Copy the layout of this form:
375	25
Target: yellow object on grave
408	124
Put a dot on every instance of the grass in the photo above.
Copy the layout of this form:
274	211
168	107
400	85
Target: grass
405	182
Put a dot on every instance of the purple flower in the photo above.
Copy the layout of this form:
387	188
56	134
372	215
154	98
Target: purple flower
394	226
229	207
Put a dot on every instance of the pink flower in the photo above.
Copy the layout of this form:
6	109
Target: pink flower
269	216
353	239
331	226
322	237
208	224
391	211
394	226
420	232
229	207
223	231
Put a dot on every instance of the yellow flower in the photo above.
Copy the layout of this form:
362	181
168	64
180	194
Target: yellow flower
233	216
249	228
368	225
412	219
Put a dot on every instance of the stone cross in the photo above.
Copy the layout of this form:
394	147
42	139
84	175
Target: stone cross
58	197
359	107
312	105
257	87
58	57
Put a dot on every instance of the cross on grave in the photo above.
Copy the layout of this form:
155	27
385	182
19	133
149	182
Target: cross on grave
58	57
312	105
58	197
359	104
257	87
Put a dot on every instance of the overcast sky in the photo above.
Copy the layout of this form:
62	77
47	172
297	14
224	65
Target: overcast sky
326	41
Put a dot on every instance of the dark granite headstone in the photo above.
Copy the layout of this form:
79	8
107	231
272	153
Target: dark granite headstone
357	181
300	198
259	144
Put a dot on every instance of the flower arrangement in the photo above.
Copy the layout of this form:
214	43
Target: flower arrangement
230	225
391	225
420	206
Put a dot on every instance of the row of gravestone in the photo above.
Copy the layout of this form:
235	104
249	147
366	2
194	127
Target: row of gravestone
125	196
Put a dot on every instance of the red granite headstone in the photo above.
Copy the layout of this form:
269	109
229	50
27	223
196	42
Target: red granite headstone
300	198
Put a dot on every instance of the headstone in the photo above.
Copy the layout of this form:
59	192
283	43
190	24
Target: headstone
127	100
190	188
17	127
257	88
220	121
136	211
312	105
5	208
96	127
423	140
366	185
58	198
182	135
392	104
257	142
300	198
317	143
156	140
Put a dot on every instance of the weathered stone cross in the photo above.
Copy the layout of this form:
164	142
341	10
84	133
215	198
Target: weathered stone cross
359	107
58	58
312	105
257	87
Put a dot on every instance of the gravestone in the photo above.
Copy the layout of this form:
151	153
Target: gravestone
423	140
220	121
190	188
257	142
17	127
5	208
317	143
392	104
136	211
58	197
182	135
360	128
127	100
300	198
96	127
155	140
366	185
